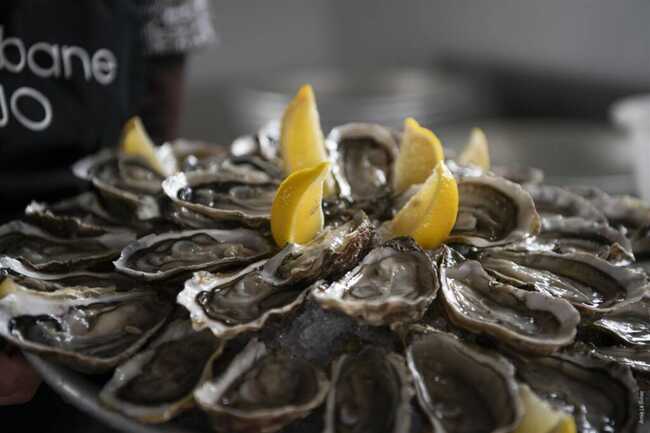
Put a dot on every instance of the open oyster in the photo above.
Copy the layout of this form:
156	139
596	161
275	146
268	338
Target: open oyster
552	200
625	211
364	154
265	143
519	174
493	211
43	251
394	282
91	331
591	284
127	185
481	303
629	323
156	257
562	235
601	396
223	196
262	391
243	301
460	388
157	383
370	393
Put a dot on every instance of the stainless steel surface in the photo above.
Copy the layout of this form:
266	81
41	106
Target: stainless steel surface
384	96
569	152
80	391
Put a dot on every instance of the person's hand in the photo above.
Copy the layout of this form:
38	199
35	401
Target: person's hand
18	380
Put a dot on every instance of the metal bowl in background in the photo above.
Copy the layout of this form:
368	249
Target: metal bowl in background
570	152
384	96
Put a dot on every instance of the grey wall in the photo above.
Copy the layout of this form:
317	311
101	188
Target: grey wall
593	39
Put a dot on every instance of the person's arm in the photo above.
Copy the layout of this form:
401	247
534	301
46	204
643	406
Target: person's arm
172	28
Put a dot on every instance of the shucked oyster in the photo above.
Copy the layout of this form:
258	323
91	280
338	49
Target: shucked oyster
394	282
481	303
223	196
460	388
262	391
629	323
364	155
43	251
89	331
158	382
562	235
601	396
591	284
493	211
243	301
552	200
156	257
370	393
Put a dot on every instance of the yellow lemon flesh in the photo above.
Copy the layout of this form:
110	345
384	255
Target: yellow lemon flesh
540	417
301	139
296	213
430	215
476	151
136	142
419	152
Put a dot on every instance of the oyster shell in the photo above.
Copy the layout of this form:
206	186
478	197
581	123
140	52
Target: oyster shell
158	383
519	174
562	235
625	211
629	323
223	196
370	393
601	396
364	154
90	331
460	388
127	185
43	251
394	282
79	216
552	200
636	358
243	301
481	303
493	211
591	284
265	143
262	391
162	256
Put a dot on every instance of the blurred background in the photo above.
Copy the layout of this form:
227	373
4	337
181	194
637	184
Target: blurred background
539	77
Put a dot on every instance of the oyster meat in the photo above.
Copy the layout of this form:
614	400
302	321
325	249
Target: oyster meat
262	391
629	323
156	257
493	211
157	383
526	320
462	389
91	332
591	284
552	200
394	282
364	154
43	251
370	393
223	196
601	396
243	301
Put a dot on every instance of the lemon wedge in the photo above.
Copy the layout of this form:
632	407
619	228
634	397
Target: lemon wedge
430	215
476	151
135	141
296	213
301	139
419	152
540	417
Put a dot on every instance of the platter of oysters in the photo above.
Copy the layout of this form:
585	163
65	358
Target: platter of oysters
363	280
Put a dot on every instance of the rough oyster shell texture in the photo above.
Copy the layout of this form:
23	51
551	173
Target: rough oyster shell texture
538	285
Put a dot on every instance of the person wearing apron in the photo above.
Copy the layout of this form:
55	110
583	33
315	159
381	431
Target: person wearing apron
71	73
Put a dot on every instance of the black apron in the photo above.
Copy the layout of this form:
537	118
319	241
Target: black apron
70	75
